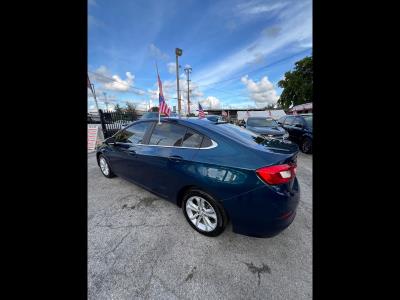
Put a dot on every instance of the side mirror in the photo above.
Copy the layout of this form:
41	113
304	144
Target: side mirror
110	141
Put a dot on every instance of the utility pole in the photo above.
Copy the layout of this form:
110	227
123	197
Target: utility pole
178	52
188	70
105	96
91	85
94	95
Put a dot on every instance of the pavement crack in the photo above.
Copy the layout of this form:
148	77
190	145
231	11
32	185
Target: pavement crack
117	245
190	275
253	269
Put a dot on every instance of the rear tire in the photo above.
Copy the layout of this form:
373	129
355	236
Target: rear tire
204	213
105	167
306	145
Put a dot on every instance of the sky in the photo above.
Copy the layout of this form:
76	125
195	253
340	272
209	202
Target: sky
237	50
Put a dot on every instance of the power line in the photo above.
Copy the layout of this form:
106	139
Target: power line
124	83
255	70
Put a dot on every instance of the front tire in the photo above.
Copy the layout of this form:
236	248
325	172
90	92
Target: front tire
203	213
105	167
306	145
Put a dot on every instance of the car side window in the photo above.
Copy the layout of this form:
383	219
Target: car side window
281	119
133	134
297	121
167	134
288	120
206	142
192	139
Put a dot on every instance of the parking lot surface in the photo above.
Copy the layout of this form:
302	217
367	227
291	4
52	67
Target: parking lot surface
141	247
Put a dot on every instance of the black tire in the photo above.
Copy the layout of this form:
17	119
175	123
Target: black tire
221	217
306	145
110	173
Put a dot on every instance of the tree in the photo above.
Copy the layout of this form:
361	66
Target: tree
131	108
297	85
118	108
154	109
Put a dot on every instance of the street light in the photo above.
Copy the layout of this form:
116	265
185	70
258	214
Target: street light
178	52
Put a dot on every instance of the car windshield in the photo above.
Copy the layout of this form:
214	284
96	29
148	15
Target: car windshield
261	122
308	120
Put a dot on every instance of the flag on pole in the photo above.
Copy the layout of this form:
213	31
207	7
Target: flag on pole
201	112
224	113
269	112
163	107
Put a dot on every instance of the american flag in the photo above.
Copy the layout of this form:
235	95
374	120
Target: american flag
224	113
163	107
201	112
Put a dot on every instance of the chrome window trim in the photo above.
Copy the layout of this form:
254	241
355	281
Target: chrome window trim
213	145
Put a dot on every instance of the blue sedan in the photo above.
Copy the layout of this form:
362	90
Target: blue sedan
216	172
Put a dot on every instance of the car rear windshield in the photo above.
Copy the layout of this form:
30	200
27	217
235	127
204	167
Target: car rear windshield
261	122
308	120
237	133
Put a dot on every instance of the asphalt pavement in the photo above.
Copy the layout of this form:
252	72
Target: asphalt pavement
141	247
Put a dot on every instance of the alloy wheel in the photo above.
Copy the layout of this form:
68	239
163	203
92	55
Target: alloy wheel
201	213
104	166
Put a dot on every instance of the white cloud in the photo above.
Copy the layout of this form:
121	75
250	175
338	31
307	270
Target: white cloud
258	58
157	53
258	7
295	29
210	102
110	82
262	93
119	84
171	67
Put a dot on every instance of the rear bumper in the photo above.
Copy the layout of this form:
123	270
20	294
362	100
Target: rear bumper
265	229
264	212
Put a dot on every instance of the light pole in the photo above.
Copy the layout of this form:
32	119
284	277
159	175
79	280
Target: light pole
178	52
188	70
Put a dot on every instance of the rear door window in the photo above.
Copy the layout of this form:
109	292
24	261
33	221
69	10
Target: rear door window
297	120
288	120
192	139
167	134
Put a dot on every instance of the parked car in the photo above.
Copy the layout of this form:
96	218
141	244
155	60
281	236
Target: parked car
241	123
300	130
214	118
214	171
266	127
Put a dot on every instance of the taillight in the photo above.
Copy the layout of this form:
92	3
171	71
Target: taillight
277	174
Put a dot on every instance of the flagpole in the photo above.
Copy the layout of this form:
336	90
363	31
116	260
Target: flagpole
159	115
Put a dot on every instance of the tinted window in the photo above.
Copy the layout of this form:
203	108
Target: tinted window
281	119
167	134
288	120
261	122
192	139
308	120
206	142
297	120
133	134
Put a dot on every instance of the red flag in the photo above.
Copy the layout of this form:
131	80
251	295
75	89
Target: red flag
163	107
201	112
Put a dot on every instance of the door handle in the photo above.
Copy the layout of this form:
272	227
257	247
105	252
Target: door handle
175	158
